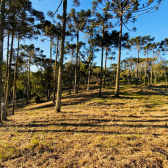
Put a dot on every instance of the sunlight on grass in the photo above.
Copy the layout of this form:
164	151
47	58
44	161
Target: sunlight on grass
128	130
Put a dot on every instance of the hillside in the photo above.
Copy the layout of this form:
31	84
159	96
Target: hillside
129	131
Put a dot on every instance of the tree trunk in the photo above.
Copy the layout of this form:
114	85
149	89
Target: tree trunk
50	70
1	53
88	77
29	90
14	80
70	73
76	66
146	67
140	75
119	57
70	80
9	72
78	70
155	78
50	50
137	76
59	90
7	62
152	69
129	78
105	68
55	70
101	72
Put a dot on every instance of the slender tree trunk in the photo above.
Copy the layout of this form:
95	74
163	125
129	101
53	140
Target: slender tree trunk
7	62
76	66
43	83
88	77
50	71
155	77
55	70
14	80
1	52
129	77
152	69
9	72
78	70
146	67
70	80
50	50
137	76
29	90
119	57
24	91
105	68
101	72
70	73
59	90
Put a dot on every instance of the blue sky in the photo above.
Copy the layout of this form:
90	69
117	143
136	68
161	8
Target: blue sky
154	24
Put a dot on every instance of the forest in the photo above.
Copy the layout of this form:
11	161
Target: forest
63	108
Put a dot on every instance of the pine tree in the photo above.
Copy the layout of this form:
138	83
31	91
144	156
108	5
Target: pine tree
79	20
124	11
101	20
91	32
59	90
70	48
146	49
137	42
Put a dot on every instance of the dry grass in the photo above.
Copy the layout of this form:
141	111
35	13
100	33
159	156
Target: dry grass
129	131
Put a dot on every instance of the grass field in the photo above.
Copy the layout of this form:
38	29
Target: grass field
129	131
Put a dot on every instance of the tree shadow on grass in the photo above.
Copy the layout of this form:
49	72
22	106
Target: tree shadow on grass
159	89
87	132
96	123
82	97
73	99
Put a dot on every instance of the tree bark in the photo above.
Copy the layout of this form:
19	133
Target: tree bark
105	68
55	70
59	90
14	80
78	70
1	52
129	77
7	62
155	77
119	57
50	70
88	77
9	72
29	90
137	76
76	66
101	72
146	67
152	69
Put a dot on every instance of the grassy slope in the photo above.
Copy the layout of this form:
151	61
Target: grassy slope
130	131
